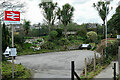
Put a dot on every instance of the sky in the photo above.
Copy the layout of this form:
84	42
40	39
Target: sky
84	11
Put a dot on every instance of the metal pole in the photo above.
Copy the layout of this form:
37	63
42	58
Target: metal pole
106	31
114	71
12	47
119	60
72	70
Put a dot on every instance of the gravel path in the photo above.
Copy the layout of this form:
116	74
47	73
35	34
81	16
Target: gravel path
55	64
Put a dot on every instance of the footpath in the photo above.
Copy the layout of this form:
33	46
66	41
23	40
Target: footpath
108	73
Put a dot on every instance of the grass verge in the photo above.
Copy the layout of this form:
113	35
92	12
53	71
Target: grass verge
20	71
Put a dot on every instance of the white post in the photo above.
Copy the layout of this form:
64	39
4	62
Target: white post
106	25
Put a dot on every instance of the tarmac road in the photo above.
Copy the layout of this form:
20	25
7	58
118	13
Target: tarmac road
55	64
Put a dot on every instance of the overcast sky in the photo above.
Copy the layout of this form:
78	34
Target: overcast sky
84	12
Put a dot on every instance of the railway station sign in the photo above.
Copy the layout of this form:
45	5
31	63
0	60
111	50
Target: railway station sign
12	17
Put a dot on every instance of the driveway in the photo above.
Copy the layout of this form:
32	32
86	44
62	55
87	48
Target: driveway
55	64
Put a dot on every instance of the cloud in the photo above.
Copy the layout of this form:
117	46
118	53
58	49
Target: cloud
84	12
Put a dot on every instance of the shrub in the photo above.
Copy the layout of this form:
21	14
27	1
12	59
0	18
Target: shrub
53	34
63	41
92	36
19	39
20	71
112	46
82	32
48	45
59	32
71	37
35	42
80	38
39	40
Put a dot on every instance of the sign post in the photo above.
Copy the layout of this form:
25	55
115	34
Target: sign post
12	17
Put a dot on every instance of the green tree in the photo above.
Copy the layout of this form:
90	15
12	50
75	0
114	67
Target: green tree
114	22
65	16
49	12
26	27
92	36
101	8
5	37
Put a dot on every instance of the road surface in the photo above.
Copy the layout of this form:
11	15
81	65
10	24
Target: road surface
55	64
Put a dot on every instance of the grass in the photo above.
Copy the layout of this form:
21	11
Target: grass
92	74
20	71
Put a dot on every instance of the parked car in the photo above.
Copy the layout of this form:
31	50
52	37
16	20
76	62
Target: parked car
85	46
7	53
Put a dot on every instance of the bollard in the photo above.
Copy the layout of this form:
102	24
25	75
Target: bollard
114	71
72	70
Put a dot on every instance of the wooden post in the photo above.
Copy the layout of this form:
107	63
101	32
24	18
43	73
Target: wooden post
119	60
85	68
94	60
102	57
72	70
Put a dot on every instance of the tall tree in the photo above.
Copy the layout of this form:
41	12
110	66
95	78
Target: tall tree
26	27
65	16
101	8
49	12
114	22
5	37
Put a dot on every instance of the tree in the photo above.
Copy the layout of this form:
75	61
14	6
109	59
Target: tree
49	12
114	23
26	27
5	37
101	8
92	36
65	16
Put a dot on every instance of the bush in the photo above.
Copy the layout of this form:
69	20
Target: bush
112	46
35	42
80	38
71	37
63	41
59	32
53	34
19	39
39	40
82	32
48	45
20	71
92	36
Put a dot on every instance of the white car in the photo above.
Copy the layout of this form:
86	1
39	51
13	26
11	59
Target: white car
7	53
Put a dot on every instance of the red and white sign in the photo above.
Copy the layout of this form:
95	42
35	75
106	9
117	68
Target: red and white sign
12	16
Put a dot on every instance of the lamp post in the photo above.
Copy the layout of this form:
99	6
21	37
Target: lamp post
106	25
